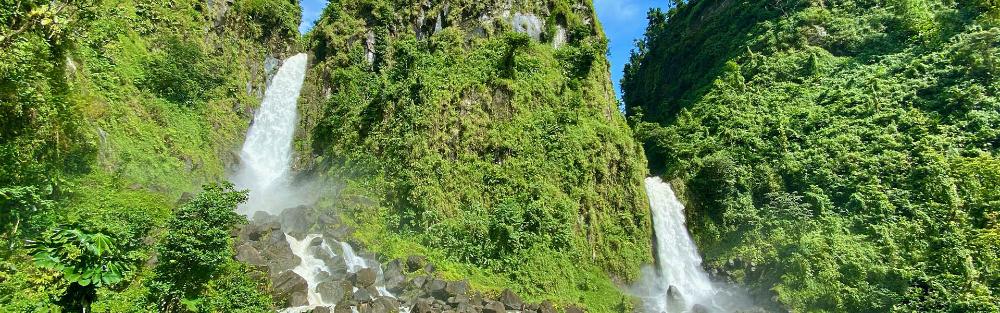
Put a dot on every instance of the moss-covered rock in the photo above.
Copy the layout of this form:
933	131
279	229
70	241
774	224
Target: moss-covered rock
489	149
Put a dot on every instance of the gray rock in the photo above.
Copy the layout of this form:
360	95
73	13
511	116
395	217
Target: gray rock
366	277
494	307
248	254
322	309
510	300
342	308
389	304
436	288
422	306
290	286
574	309
330	291
456	288
674	297
393	276
362	295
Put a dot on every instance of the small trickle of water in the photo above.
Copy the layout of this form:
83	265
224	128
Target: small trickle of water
679	264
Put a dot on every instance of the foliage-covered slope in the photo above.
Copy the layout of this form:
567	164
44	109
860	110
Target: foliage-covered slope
109	110
489	137
837	155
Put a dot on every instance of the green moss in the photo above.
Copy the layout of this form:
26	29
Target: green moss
503	159
825	147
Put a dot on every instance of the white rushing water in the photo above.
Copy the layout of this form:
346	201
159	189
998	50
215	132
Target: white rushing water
266	157
679	264
265	169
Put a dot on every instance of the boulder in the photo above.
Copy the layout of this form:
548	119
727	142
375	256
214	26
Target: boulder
456	288
390	304
393	276
494	307
436	288
279	254
574	309
415	263
362	295
330	291
674	297
510	300
366	277
248	254
290	286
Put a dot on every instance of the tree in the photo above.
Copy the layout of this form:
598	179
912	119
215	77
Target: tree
197	245
86	260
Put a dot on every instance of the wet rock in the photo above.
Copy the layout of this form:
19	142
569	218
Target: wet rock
510	300
279	254
322	309
415	263
362	295
330	291
290	286
366	277
494	307
674	297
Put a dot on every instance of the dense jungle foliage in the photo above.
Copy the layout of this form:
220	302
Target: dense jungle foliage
467	131
109	111
836	156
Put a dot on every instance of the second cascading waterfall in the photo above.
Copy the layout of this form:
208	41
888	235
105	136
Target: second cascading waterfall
265	170
678	283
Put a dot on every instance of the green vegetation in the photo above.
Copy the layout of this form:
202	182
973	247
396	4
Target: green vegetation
837	156
500	157
111	110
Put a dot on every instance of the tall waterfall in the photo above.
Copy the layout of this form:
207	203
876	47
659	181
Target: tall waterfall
266	157
678	283
265	170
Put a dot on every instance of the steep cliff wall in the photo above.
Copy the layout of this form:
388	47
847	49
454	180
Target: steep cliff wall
489	138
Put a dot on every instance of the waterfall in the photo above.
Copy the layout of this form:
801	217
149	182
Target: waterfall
679	283
266	157
265	169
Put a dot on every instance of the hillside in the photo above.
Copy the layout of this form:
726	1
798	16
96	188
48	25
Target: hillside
111	110
836	156
483	135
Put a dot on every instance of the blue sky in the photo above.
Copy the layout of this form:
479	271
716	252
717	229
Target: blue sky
624	21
